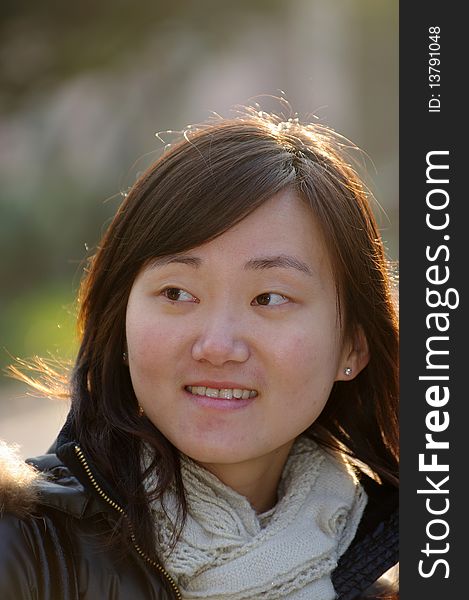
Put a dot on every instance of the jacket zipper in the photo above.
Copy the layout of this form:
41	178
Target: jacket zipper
118	508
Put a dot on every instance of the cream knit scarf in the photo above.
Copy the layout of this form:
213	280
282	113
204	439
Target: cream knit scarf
228	552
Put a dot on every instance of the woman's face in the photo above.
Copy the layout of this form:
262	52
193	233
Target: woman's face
234	346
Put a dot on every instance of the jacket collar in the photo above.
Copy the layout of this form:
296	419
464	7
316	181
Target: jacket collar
61	489
74	484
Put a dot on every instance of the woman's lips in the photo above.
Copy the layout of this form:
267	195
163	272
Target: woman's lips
220	398
226	392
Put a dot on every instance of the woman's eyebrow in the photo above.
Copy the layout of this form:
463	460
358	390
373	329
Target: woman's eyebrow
284	261
185	259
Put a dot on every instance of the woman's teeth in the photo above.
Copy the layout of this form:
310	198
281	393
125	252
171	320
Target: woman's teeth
225	393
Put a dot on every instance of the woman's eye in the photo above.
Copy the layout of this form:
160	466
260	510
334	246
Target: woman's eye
177	295
270	299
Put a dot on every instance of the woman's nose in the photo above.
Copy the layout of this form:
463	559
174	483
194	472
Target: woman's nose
220	341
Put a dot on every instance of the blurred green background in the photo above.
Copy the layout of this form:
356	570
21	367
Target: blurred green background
85	87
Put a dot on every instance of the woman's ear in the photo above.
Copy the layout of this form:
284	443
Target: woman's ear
355	356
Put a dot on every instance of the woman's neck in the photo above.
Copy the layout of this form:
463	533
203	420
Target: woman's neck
256	479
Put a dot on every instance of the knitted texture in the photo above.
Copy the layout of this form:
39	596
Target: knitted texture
228	551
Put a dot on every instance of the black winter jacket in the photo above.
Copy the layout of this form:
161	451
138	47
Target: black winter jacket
55	552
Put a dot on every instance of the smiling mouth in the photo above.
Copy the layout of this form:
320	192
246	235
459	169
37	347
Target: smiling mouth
222	393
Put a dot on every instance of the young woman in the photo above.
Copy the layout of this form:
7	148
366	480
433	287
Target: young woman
233	428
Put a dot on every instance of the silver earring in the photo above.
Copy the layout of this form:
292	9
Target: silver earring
124	356
348	371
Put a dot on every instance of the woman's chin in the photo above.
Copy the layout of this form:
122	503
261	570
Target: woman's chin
215	453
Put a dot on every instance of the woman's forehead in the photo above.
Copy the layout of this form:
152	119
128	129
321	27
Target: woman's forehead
281	233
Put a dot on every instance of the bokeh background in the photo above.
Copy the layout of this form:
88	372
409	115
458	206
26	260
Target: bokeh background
85	86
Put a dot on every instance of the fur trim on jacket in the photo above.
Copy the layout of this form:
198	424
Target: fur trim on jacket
19	489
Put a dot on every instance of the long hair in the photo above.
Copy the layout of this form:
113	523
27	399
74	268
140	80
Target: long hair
214	176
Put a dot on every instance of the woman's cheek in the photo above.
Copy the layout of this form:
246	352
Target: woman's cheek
299	347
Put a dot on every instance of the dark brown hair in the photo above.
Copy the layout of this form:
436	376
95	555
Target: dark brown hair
217	174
